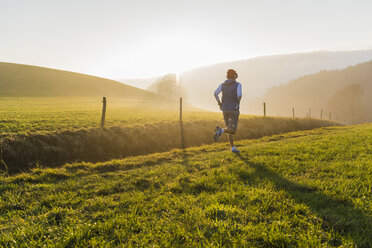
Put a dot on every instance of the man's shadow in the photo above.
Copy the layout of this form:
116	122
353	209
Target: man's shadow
346	219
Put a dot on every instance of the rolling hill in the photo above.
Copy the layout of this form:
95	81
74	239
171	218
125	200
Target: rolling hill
33	81
259	74
346	93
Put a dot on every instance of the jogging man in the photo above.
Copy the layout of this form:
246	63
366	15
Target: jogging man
231	96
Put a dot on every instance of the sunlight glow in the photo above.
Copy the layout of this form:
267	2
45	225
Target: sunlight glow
174	53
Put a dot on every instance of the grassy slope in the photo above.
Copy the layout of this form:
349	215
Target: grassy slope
41	99
308	189
25	80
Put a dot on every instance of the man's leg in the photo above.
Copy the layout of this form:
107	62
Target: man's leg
229	128
218	131
233	126
231	139
231	123
227	119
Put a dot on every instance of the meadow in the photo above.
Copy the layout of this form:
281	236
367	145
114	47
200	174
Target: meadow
39	114
300	189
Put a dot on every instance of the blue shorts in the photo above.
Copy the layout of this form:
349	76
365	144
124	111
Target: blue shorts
231	118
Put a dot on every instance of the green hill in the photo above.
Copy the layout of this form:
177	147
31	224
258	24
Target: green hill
25	80
345	93
302	189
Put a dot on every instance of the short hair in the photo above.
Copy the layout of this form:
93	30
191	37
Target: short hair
231	74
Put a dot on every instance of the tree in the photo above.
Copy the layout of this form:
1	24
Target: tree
348	102
168	85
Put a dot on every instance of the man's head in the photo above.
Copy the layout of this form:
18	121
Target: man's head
231	74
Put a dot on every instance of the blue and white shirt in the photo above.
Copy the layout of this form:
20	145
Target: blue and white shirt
231	94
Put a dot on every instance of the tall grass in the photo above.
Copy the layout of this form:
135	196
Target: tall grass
25	151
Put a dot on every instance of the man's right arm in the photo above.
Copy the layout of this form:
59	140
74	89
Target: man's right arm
216	92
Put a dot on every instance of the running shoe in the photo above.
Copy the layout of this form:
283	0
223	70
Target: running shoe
217	134
234	150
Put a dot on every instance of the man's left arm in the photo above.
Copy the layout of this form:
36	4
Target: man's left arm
239	92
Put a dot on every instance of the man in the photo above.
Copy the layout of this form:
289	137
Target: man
231	96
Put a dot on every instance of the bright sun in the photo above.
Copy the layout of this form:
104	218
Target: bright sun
174	53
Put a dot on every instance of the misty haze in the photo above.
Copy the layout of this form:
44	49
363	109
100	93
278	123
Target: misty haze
166	123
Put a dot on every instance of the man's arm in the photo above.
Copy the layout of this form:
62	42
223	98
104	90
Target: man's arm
216	92
239	92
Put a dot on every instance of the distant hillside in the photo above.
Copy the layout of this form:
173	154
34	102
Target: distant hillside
142	83
257	75
26	80
347	94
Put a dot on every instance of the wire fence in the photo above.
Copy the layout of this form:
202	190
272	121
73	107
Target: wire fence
47	114
112	100
47	104
103	102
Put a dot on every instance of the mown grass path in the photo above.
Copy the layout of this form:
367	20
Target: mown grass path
302	189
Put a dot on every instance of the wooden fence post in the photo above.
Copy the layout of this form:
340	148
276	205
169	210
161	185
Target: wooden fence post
293	114
181	126
103	113
180	109
321	114
264	108
310	113
330	115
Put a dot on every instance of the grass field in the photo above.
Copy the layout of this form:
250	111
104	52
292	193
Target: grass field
301	189
35	114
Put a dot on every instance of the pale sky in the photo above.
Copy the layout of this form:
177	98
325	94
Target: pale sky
145	38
